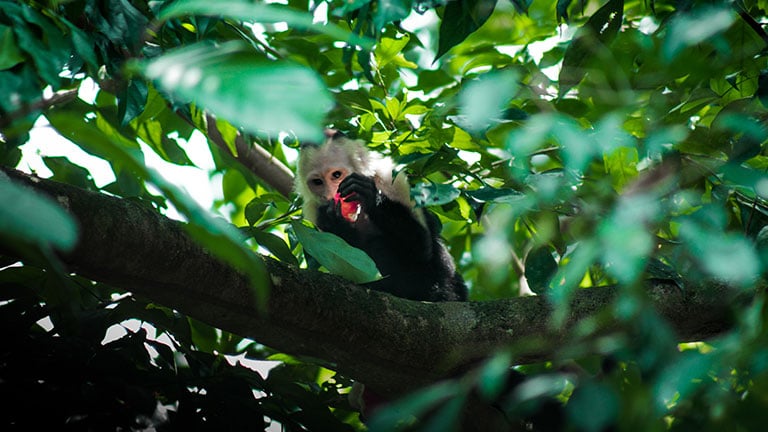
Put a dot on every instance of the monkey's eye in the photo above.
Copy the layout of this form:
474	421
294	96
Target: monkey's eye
317	182
336	174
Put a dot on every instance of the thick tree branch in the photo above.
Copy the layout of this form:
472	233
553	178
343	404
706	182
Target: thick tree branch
391	344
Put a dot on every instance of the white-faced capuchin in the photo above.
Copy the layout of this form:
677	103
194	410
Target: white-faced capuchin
350	192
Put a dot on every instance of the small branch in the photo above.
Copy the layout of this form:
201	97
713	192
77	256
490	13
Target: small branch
62	97
255	158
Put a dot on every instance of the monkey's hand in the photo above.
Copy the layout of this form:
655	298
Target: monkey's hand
364	190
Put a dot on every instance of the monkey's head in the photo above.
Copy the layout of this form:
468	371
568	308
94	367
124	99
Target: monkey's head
322	167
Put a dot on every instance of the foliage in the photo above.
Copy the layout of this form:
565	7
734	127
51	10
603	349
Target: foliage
567	144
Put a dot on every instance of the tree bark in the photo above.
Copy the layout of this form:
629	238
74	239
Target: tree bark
391	344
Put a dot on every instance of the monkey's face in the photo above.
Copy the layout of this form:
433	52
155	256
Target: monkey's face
325	183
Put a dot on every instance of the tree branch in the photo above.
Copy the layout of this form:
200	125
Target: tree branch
391	344
255	158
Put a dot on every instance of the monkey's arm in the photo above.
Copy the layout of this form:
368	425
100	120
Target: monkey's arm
397	223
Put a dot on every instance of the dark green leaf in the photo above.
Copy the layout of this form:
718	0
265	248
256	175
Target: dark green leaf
66	172
599	30
412	407
275	245
132	101
460	19
521	6
585	399
390	11
540	267
336	255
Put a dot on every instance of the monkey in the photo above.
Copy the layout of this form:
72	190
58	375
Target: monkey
349	191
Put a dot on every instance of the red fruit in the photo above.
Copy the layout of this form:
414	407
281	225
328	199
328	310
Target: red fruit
350	209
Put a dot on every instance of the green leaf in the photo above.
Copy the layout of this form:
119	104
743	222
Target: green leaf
540	267
460	19
391	10
10	55
260	13
569	276
695	28
599	30
236	85
626	242
82	43
29	216
621	165
727	256
336	255
494	194
492	379
599	400
65	171
430	194
483	101
412	407
521	6
275	245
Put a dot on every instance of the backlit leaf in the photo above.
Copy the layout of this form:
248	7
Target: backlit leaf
259	13
236	85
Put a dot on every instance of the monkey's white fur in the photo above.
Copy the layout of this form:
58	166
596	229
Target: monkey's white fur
348	156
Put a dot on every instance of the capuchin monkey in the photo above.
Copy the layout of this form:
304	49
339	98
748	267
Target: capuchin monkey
350	192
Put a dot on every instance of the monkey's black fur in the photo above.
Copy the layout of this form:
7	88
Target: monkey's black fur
410	256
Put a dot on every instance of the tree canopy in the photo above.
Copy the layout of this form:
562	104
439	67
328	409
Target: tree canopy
605	159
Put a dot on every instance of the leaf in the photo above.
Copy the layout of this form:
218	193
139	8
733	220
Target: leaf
413	406
390	49
30	216
599	29
492	379
494	194
10	55
460	19
521	6
333	253
132	101
233	84
390	11
483	101
599	400
431	194
540	267
692	29
569	276
260	13
275	245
